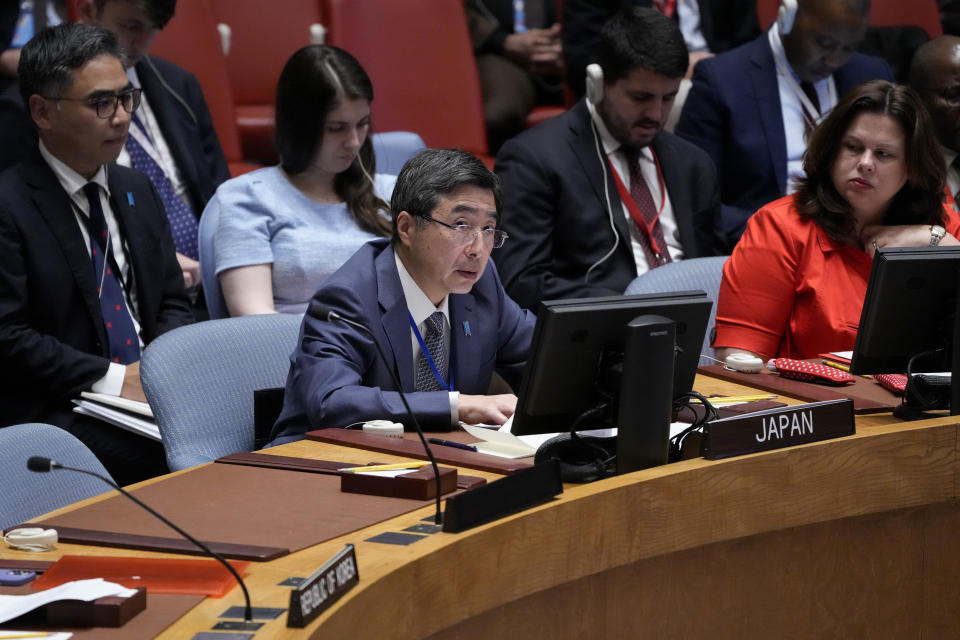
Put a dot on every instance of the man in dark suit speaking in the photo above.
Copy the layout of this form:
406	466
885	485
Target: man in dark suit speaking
88	273
601	194
433	303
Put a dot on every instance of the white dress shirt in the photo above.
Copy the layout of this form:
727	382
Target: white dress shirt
792	109
153	143
421	308
648	168
73	183
689	13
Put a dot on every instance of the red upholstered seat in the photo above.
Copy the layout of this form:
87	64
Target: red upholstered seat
263	37
191	40
419	56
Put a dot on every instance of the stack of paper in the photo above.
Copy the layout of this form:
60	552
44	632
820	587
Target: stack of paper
131	415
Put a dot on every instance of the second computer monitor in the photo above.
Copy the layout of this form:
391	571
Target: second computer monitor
577	354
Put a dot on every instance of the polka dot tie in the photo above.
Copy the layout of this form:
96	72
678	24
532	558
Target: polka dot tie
433	338
183	223
644	199
121	335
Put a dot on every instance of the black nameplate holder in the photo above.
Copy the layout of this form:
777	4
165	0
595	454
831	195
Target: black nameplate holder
778	428
324	587
515	492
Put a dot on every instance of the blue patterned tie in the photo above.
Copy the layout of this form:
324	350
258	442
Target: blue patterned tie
183	223
425	380
121	334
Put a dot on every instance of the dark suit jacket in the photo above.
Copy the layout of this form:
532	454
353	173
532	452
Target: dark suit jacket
337	377
725	24
187	128
52	339
733	113
9	11
491	21
555	211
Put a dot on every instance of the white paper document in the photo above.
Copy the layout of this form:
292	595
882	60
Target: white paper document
87	590
499	443
131	406
143	426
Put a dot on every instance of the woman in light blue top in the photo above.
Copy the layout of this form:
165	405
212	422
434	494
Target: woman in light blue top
282	230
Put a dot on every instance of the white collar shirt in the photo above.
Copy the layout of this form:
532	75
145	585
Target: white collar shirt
73	183
791	108
658	190
421	308
153	142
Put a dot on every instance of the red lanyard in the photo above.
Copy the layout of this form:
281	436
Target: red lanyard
665	7
634	210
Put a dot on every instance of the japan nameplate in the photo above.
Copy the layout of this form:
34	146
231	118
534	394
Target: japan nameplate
778	428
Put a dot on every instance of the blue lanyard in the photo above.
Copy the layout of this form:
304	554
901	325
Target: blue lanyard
426	352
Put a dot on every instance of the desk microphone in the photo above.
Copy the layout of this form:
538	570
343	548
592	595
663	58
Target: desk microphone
41	464
322	311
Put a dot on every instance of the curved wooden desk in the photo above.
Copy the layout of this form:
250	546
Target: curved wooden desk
845	538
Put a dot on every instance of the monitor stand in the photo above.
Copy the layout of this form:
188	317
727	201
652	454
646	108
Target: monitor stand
905	412
646	393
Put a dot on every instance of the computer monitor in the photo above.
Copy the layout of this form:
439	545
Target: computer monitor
577	356
911	308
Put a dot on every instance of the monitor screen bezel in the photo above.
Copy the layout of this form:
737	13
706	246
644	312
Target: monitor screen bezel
885	345
690	308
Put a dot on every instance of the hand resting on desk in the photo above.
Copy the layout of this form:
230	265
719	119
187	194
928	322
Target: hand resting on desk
487	409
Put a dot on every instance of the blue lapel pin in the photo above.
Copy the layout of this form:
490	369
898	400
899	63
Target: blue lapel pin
466	327
130	198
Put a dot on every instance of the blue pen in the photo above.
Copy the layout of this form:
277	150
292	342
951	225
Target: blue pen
450	443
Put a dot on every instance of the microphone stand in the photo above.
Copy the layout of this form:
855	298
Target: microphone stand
40	464
329	315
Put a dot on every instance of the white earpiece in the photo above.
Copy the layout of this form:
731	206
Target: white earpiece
383	428
786	15
31	539
594	84
743	363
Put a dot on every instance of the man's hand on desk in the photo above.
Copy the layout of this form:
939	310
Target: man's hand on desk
487	409
131	383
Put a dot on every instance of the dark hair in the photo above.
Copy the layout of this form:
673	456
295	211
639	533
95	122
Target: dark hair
641	37
919	201
432	173
159	12
49	59
314	81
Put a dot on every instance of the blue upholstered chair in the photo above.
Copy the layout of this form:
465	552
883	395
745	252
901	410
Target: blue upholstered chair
200	380
216	305
392	148
28	494
686	275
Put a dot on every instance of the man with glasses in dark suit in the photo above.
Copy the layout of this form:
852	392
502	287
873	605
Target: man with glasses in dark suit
88	271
